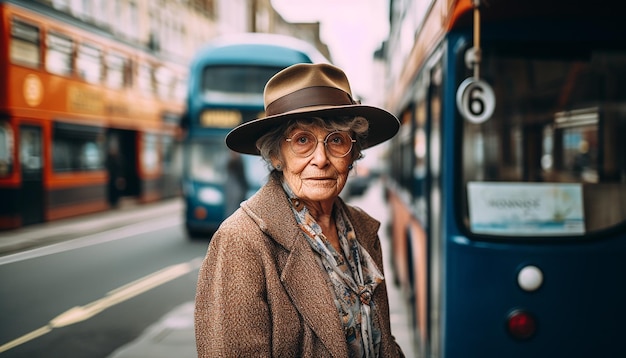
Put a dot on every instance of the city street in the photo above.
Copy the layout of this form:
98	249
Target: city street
120	285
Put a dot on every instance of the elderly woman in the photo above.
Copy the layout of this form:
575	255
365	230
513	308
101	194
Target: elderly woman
295	271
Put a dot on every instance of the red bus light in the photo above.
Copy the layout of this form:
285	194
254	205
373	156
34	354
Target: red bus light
200	213
521	324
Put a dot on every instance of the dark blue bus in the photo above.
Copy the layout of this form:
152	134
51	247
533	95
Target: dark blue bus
226	82
507	181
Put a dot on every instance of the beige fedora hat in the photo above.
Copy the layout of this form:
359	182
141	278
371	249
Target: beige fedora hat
310	90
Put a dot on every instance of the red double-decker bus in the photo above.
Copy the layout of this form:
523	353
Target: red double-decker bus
70	93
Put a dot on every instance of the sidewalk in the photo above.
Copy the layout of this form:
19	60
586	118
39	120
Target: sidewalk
33	236
173	334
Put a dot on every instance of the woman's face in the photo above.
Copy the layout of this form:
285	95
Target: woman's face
318	176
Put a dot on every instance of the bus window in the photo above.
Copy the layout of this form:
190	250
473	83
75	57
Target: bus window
6	149
24	48
204	159
89	63
77	148
576	155
236	84
30	149
560	130
59	54
90	156
406	153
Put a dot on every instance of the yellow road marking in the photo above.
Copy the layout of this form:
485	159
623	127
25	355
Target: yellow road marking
116	296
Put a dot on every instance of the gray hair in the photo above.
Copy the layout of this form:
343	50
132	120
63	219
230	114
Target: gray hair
269	144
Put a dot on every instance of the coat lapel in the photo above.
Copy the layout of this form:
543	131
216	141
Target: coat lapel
310	292
302	276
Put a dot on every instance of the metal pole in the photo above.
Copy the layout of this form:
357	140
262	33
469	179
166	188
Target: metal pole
477	51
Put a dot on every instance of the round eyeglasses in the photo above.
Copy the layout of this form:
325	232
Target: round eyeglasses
338	144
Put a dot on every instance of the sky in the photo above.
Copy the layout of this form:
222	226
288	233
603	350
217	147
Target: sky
352	29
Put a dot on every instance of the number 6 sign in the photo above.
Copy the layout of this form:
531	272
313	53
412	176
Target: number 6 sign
475	100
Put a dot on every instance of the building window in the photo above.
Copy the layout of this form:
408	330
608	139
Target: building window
165	83
144	79
116	71
62	5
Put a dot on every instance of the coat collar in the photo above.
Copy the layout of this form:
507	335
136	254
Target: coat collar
270	209
301	274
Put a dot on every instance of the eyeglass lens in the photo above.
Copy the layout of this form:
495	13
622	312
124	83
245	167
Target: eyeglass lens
338	144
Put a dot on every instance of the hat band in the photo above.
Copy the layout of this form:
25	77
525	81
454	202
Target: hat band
308	97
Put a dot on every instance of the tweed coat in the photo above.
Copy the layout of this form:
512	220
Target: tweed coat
262	293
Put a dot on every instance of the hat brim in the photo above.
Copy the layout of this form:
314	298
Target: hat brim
382	125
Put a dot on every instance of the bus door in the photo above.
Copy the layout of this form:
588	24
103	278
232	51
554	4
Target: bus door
31	163
126	143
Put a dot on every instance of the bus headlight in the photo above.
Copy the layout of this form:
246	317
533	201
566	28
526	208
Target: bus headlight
210	196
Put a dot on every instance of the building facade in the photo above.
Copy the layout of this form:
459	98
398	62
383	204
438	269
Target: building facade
177	28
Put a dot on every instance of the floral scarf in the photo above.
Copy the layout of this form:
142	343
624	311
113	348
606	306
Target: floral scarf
354	278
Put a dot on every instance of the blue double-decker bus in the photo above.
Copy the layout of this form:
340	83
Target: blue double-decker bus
507	181
226	82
